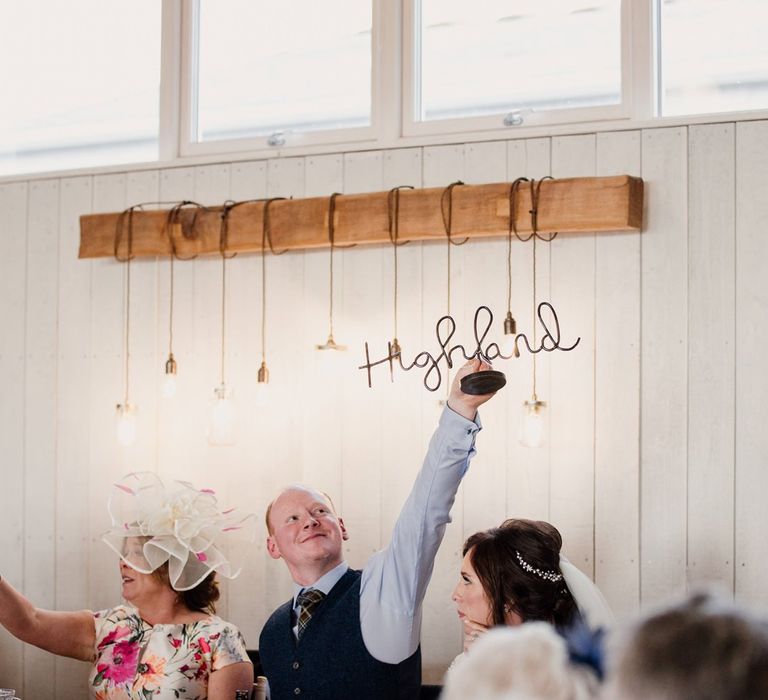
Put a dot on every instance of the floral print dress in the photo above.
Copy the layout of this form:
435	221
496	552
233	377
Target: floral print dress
135	661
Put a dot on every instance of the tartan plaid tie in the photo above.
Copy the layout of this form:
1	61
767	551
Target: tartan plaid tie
307	601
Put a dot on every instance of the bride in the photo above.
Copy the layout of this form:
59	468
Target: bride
514	573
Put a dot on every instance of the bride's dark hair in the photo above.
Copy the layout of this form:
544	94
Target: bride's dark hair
518	565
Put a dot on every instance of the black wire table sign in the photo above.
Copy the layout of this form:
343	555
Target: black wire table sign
482	382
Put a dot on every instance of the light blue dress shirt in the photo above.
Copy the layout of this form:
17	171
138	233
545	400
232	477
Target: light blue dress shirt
394	581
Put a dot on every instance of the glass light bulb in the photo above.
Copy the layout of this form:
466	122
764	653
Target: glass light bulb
533	428
168	388
508	346
263	393
221	425
126	424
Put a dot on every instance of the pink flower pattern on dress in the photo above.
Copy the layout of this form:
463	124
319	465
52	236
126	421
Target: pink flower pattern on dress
136	661
119	662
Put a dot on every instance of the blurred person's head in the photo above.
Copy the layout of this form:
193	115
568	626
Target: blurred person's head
702	649
528	662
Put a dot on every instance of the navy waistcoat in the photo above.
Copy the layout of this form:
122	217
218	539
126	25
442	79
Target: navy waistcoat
331	661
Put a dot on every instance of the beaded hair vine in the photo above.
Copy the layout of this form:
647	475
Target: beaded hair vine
546	575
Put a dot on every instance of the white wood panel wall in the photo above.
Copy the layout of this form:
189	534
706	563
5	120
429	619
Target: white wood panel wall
654	470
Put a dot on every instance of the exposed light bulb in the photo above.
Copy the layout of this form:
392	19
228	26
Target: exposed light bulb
330	344
533	428
168	389
262	398
126	424
221	425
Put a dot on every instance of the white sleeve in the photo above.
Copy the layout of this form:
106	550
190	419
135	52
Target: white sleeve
395	579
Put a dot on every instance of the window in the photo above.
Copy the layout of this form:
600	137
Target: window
281	69
81	81
515	60
714	56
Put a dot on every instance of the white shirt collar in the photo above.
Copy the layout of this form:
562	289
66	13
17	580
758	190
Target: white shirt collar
325	583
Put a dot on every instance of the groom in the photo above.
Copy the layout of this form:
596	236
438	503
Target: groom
355	634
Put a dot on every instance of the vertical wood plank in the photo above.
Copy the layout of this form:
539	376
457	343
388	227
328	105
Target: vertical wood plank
143	186
73	523
285	178
322	431
363	302
751	555
402	398
13	285
40	420
711	358
247	481
617	393
442	165
175	437
663	389
572	406
108	461
528	470
208	466
486	162
485	283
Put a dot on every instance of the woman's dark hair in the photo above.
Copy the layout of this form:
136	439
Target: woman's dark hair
202	598
506	583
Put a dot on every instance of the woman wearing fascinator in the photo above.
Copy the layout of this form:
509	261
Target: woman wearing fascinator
513	574
167	642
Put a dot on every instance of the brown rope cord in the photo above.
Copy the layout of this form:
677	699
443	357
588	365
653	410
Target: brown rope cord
223	232
512	228
535	189
447	195
331	236
119	226
266	239
170	311
534	212
393	214
173	217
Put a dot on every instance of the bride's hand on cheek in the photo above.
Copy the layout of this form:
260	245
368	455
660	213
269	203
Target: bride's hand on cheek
472	632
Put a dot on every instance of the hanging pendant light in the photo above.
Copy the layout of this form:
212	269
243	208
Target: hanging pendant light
509	342
262	376
222	418
533	428
125	424
533	423
393	210
331	344
168	390
446	210
173	224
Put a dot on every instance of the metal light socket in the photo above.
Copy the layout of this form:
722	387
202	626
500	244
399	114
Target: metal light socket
170	365
510	325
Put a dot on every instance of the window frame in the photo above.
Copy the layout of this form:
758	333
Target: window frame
412	126
291	141
391	86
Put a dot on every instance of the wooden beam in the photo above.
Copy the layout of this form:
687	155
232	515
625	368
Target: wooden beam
569	206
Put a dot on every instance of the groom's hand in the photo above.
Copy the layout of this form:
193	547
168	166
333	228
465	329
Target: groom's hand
466	405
